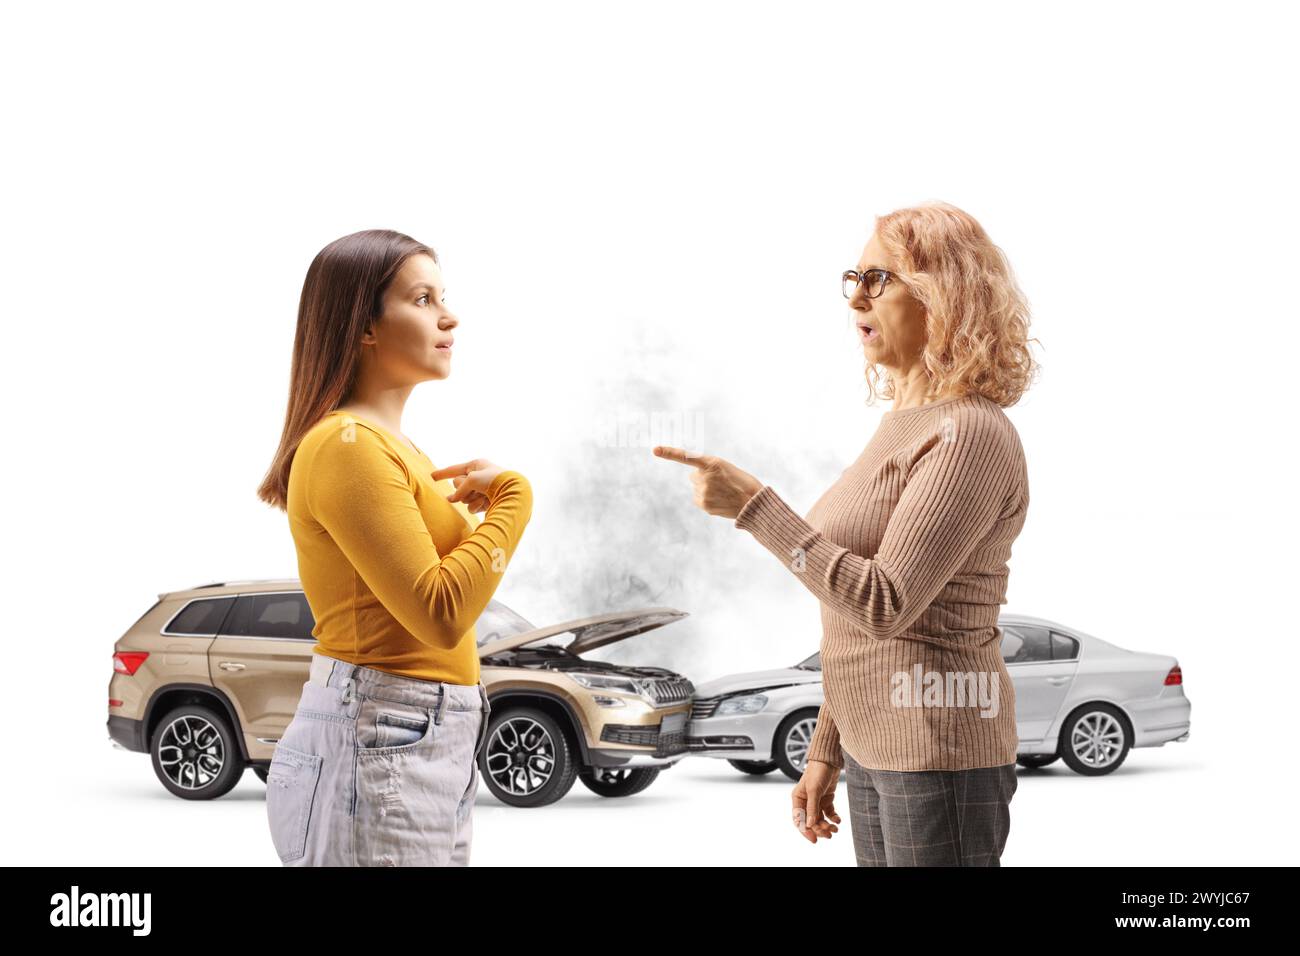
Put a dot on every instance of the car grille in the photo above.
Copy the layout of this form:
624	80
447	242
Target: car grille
670	690
670	744
641	736
703	707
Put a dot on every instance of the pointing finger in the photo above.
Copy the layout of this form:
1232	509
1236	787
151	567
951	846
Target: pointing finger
447	471
679	454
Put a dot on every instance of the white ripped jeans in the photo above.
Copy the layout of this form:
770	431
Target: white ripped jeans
376	769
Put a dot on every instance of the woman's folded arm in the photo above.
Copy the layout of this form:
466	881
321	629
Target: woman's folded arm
953	496
360	492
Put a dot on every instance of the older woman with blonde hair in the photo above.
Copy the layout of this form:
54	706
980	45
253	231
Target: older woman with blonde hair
907	552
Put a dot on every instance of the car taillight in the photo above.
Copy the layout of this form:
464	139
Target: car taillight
1175	676
128	662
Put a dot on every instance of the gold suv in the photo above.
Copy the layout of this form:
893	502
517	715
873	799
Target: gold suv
208	679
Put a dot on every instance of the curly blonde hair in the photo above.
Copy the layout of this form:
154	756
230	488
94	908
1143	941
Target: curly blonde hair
977	318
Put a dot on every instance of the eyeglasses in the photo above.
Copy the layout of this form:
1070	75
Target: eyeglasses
874	279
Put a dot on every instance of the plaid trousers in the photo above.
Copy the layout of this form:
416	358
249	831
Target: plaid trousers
929	817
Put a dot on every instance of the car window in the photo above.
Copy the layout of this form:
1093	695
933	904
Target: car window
1064	647
202	616
498	621
1024	644
286	616
813	663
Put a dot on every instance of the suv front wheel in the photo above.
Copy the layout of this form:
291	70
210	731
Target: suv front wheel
527	760
195	753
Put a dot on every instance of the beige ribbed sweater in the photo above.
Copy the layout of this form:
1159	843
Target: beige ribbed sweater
908	553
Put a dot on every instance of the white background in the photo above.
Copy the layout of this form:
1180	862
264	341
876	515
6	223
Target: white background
645	209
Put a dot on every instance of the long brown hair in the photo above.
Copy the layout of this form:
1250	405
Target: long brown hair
342	294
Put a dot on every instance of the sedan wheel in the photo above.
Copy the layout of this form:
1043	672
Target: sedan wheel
1034	761
617	781
790	745
1095	740
755	767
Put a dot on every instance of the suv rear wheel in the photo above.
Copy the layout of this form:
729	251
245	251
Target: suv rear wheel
527	760
195	753
617	781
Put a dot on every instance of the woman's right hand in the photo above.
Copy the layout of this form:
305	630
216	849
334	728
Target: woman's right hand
472	479
812	801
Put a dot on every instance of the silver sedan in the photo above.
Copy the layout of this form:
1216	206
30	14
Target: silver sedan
1078	698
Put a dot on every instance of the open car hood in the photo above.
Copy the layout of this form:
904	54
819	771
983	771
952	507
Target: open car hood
591	632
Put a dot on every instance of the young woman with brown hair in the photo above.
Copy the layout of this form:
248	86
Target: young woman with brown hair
377	767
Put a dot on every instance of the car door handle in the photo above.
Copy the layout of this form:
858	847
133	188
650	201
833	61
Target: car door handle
230	666
1058	680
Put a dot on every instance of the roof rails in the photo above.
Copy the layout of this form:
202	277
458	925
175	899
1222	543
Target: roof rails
227	584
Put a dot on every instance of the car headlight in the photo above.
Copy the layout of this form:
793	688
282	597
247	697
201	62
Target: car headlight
620	685
748	704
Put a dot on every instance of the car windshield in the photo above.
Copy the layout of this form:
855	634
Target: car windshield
813	663
499	621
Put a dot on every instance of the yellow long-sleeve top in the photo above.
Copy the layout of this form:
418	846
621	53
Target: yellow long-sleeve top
395	574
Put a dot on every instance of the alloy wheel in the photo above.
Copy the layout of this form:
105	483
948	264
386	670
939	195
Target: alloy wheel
797	741
520	755
191	752
1097	739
